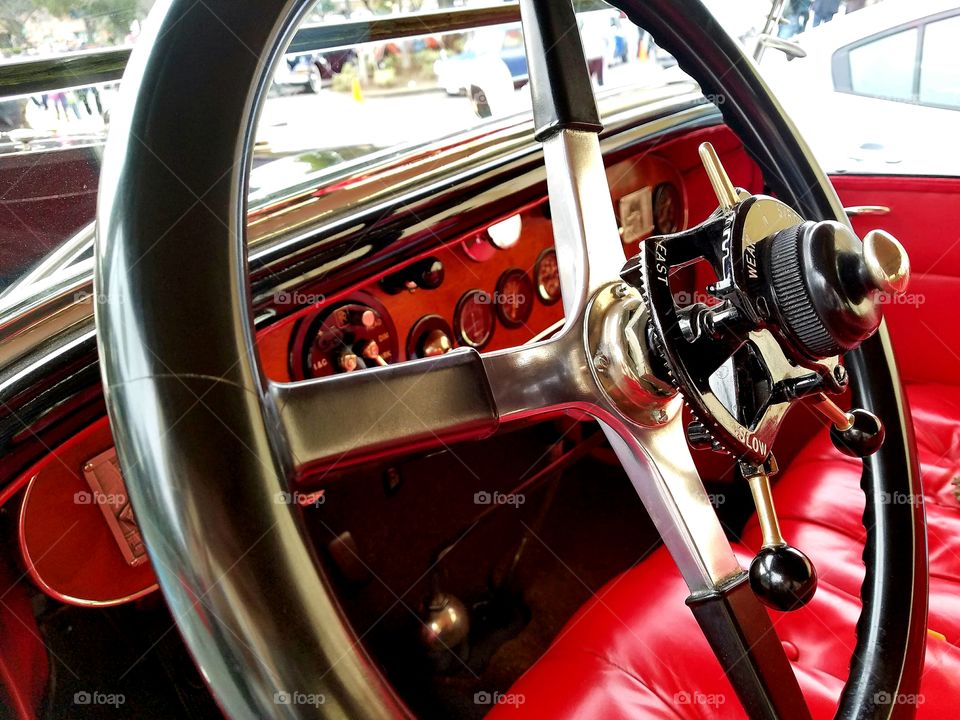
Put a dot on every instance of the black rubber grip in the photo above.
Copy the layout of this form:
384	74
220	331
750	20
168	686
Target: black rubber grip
559	79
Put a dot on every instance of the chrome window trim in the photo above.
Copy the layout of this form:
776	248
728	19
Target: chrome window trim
90	67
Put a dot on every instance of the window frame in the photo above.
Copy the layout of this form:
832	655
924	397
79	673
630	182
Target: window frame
840	61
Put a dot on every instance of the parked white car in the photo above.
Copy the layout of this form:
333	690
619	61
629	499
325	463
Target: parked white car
879	89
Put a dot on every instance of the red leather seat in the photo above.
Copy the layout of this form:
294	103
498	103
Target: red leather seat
635	650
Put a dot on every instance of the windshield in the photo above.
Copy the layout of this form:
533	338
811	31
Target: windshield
330	107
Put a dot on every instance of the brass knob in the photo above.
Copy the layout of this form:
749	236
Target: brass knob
888	265
436	343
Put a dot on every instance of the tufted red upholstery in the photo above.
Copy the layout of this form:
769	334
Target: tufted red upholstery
635	650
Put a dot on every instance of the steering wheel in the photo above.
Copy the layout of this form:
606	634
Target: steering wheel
207	442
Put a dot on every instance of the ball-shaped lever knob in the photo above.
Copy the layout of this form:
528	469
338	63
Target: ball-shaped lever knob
862	436
782	577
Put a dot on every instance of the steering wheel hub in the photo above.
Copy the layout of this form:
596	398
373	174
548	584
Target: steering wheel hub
620	361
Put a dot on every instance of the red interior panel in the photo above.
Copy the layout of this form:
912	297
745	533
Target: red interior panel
925	217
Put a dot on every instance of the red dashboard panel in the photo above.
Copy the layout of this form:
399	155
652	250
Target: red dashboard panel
68	547
472	263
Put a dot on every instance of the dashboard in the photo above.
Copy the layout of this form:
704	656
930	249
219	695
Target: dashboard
493	287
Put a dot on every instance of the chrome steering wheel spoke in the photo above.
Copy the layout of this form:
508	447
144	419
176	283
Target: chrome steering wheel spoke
661	469
589	252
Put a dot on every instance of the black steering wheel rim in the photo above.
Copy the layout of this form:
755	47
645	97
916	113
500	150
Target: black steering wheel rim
209	63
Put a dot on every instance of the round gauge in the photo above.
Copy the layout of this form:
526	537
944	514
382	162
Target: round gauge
475	319
430	336
548	277
350	336
514	297
667	209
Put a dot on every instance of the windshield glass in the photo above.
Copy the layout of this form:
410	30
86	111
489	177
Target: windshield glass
880	68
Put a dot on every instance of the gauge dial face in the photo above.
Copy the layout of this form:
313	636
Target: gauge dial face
475	320
348	337
514	297
547	274
667	209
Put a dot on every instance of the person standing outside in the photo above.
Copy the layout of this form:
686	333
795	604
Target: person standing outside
824	10
797	14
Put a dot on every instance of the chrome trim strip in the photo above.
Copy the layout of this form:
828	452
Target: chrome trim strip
861	210
59	72
310	38
89	67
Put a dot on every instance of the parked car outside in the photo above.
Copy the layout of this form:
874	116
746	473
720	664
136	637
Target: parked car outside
304	72
894	63
493	63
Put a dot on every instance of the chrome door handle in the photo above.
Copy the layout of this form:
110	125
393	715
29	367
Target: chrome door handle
859	210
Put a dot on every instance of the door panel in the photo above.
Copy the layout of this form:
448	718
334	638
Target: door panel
925	217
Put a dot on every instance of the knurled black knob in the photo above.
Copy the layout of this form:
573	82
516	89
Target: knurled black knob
826	284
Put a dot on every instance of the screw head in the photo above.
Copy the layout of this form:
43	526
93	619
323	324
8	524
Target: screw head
620	291
601	362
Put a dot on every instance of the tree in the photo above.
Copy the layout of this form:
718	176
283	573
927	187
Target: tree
14	15
108	17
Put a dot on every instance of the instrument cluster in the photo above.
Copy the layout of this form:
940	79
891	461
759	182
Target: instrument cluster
492	289
496	288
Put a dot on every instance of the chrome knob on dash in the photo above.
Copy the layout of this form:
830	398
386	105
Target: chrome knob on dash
371	351
437	342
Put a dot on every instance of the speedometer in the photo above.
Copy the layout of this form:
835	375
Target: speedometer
514	297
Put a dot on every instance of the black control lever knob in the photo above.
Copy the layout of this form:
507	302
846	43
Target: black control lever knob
826	284
860	438
782	577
